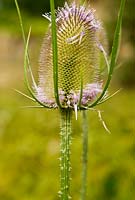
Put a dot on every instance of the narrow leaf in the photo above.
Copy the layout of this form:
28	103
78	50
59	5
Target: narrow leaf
25	73
114	52
24	40
55	52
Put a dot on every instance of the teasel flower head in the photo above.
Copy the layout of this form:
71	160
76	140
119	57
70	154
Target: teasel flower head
79	37
73	59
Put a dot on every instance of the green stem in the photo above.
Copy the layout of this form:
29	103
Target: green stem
84	156
65	165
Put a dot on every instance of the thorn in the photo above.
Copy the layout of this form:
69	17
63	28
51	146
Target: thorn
32	106
81	36
25	95
46	15
105	55
102	121
75	109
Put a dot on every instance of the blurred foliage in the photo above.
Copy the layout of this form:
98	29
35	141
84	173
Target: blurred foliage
29	138
29	152
33	10
127	50
34	7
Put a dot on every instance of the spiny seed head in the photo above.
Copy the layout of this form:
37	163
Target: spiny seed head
78	34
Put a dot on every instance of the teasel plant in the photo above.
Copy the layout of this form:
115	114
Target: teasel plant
74	75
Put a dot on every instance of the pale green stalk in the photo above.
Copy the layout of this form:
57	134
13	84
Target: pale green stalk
114	54
84	155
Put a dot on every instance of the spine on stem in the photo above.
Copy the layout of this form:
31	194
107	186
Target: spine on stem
65	165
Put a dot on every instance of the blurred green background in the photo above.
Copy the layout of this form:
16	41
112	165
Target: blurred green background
29	138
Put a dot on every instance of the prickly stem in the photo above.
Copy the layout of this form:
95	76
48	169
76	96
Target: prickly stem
65	165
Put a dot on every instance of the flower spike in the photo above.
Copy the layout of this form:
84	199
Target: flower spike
69	61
